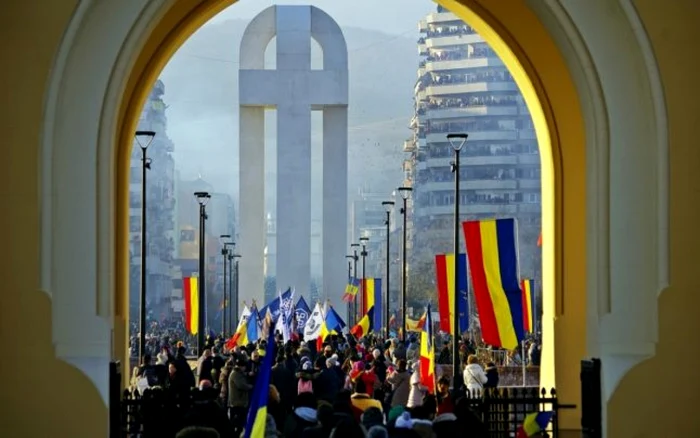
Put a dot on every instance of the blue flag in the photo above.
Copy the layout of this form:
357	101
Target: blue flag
257	414
301	313
275	305
334	321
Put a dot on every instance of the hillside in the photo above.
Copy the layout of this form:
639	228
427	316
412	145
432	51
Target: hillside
202	96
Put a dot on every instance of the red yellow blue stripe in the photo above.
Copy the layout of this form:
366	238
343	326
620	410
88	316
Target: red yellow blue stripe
493	261
191	297
372	297
445	279
363	327
427	355
527	286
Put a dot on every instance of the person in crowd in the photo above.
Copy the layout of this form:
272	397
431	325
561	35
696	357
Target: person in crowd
372	417
348	428
361	400
217	364
445	402
327	420
184	377
474	376
306	377
400	384
303	416
327	383
285	382
148	371
238	390
223	381
417	391
204	366
275	407
445	357
491	375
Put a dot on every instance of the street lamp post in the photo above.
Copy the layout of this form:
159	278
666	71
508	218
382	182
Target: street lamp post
405	192
349	258
457	141
356	257
231	304
202	199
363	253
144	139
224	253
388	205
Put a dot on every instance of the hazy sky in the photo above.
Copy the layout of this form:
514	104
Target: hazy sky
190	130
389	16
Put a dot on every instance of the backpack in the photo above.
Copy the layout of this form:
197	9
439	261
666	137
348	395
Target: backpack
304	386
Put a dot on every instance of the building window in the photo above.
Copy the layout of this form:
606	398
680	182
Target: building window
532	198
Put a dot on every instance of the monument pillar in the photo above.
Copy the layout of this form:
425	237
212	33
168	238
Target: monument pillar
294	90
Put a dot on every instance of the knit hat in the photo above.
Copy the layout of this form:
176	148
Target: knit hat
404	421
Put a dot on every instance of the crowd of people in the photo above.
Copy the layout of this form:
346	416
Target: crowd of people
350	388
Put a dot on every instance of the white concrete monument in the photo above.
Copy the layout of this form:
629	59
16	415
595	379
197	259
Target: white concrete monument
294	89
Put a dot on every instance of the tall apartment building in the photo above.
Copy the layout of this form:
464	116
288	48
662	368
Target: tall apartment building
463	87
160	209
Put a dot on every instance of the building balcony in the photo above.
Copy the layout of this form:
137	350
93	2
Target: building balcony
466	209
422	49
422	143
481	160
409	146
441	17
441	137
470	111
529	159
463	64
474	87
475	184
527	134
453	40
529	184
422	26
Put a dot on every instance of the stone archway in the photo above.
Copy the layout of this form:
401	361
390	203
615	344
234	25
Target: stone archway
605	236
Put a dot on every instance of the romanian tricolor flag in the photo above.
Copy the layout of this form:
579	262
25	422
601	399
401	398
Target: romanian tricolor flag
364	326
493	261
372	297
257	415
445	273
534	423
191	296
351	290
427	355
528	288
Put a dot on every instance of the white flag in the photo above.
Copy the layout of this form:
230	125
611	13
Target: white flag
313	325
245	314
